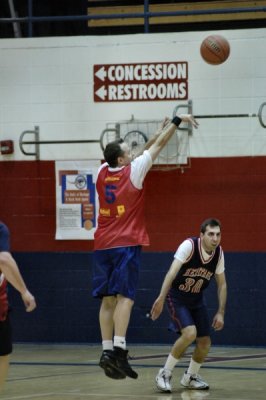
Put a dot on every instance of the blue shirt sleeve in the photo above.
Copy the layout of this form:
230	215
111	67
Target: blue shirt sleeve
4	237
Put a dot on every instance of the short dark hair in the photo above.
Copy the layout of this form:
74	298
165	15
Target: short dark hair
112	151
212	222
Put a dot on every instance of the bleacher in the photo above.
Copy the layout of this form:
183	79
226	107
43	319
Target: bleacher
122	17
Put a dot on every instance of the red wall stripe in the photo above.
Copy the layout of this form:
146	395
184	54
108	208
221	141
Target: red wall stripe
231	189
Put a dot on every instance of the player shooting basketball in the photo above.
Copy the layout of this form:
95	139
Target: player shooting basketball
120	234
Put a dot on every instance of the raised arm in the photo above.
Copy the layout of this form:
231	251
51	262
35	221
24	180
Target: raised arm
166	134
153	138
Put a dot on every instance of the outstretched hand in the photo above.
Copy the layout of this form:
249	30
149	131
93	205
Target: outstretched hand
162	126
165	122
189	118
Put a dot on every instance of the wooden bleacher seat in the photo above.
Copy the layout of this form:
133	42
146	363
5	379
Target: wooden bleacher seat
112	9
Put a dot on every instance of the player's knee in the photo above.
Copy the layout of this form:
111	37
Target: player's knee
204	343
109	302
125	301
189	334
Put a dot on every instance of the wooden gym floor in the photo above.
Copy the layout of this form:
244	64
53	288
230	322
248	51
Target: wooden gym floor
71	372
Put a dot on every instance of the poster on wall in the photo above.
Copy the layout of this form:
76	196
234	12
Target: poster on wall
76	199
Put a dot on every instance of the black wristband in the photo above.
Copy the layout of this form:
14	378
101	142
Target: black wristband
176	120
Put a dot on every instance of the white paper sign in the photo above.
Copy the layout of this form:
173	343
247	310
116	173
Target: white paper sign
76	199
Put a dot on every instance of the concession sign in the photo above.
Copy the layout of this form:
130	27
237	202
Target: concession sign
141	82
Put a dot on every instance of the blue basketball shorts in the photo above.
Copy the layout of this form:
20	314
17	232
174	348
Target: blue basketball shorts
116	271
5	337
185	312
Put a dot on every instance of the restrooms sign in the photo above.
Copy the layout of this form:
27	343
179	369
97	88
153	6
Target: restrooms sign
141	82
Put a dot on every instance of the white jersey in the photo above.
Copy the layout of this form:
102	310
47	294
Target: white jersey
140	166
185	250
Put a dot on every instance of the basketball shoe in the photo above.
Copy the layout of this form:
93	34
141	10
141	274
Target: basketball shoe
193	381
122	364
107	364
163	380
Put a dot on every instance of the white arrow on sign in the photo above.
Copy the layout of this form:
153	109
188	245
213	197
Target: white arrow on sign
101	74
102	92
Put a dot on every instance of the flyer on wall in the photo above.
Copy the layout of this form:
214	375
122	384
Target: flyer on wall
76	199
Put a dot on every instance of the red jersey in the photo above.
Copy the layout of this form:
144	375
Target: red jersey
3	298
4	246
121	220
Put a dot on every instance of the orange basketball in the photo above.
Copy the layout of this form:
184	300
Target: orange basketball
215	49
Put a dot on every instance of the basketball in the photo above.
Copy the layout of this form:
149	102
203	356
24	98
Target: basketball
215	49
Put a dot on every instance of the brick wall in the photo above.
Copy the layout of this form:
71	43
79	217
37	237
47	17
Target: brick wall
59	272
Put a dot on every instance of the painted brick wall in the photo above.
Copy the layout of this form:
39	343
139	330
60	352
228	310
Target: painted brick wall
67	313
59	272
232	189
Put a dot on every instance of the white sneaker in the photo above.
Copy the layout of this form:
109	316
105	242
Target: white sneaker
163	380
194	381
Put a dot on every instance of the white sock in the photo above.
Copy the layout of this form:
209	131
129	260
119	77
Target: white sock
120	341
107	344
193	367
171	362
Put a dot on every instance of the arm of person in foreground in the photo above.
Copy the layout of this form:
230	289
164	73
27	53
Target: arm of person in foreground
166	134
153	138
12	274
157	307
218	320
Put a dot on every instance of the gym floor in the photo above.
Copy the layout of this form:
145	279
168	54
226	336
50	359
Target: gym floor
71	372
